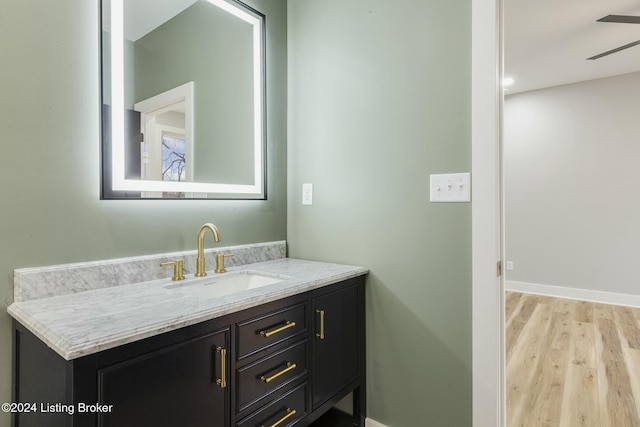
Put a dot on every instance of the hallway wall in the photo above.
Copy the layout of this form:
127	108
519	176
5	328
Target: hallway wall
572	155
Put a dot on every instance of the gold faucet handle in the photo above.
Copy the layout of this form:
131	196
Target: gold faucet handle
220	262
177	269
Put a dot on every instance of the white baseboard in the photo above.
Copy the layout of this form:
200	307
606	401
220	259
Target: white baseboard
372	423
574	293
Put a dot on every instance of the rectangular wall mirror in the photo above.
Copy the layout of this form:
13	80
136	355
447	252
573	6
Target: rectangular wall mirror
183	100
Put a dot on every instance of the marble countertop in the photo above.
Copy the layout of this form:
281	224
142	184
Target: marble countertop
83	323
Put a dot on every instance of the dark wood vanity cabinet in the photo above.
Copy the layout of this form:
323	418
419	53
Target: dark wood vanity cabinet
336	343
182	384
179	378
282	364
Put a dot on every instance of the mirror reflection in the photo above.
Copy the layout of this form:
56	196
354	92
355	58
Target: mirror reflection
183	99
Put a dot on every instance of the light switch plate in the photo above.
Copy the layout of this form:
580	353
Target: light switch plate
450	187
307	194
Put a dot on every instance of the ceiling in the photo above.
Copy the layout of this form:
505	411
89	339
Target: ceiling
547	42
143	16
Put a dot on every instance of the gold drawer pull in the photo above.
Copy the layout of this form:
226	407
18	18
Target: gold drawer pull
321	334
222	381
290	413
267	380
286	326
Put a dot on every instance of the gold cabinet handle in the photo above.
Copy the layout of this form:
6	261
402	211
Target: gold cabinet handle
290	413
286	326
290	367
321	334
222	381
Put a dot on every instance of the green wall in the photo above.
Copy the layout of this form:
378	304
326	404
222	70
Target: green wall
49	155
379	98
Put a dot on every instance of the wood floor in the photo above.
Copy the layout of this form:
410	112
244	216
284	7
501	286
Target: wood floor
571	363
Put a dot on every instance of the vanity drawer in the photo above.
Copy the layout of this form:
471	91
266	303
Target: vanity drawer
284	412
257	380
264	331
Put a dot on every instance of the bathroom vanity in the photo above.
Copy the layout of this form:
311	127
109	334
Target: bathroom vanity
143	354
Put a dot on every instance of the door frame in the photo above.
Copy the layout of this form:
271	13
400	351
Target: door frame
488	384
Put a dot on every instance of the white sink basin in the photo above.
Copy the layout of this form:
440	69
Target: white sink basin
217	286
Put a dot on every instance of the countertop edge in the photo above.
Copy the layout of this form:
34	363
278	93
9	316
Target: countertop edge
69	351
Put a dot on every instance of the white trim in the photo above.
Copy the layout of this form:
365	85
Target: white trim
183	92
368	422
603	297
487	289
159	104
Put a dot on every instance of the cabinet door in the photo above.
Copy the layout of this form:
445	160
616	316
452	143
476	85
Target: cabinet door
180	385
335	345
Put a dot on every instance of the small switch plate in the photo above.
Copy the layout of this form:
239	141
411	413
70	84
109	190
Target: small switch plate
450	187
307	194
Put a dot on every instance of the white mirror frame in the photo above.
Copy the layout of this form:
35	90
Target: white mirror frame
119	183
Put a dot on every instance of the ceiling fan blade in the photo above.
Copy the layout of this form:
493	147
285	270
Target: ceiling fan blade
618	49
622	19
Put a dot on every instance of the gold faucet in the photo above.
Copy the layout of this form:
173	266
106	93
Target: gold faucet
200	261
177	269
220	262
